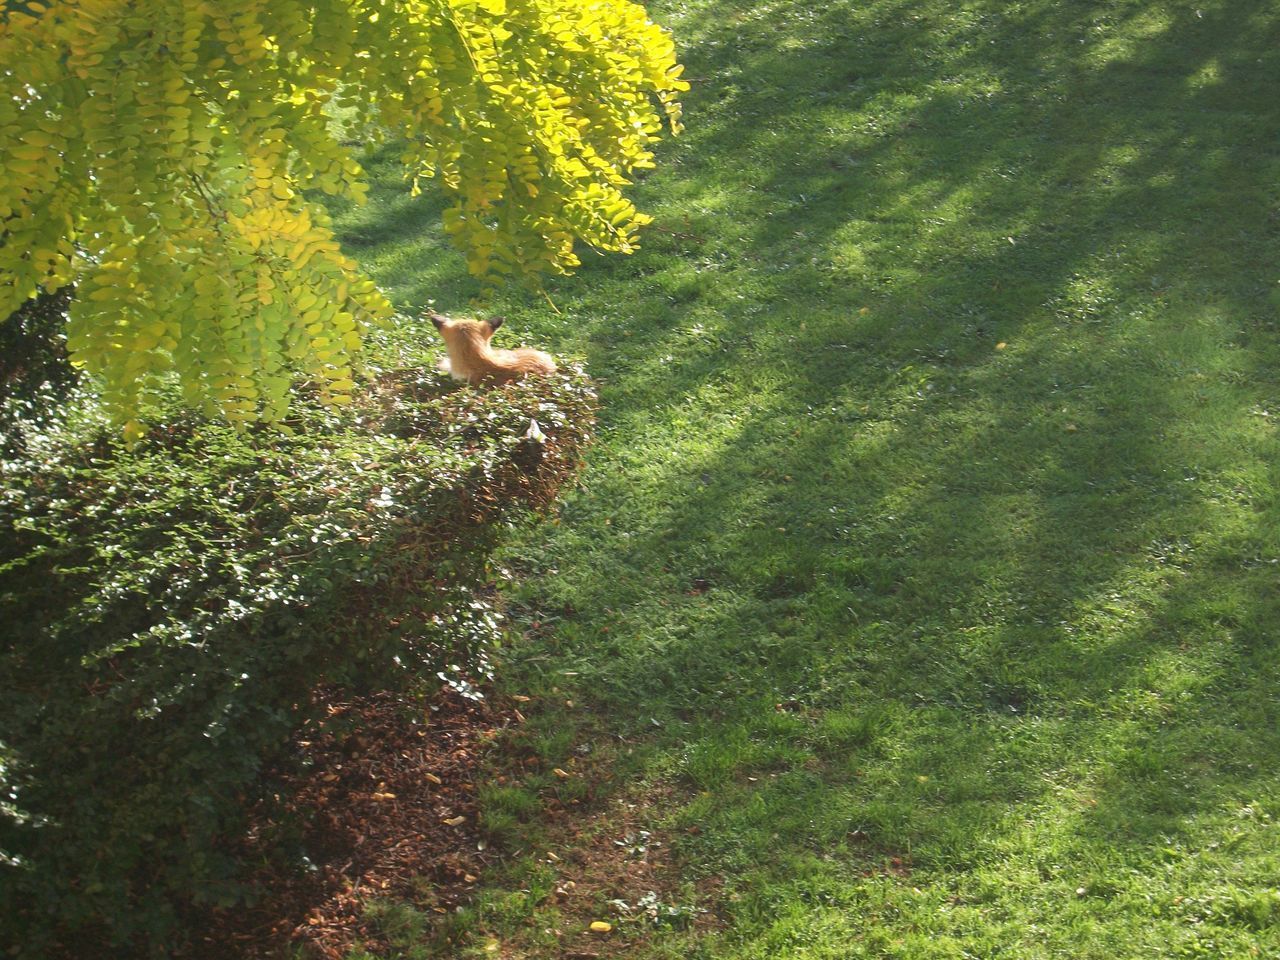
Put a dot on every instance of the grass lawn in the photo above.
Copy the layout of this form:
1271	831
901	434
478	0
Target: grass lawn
926	573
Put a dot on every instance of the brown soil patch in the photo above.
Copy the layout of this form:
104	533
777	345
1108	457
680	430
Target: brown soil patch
385	809
617	866
610	848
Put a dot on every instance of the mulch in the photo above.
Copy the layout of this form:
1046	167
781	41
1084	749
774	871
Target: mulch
382	806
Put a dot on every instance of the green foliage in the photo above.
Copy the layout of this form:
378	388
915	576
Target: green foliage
33	356
169	606
157	155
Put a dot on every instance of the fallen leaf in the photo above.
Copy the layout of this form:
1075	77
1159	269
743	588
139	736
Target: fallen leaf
455	821
433	778
563	775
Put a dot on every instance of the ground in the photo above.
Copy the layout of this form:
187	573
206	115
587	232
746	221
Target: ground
382	806
920	590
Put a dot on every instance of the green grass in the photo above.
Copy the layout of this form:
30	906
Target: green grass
941	407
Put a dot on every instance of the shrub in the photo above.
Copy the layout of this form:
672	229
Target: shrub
167	609
34	372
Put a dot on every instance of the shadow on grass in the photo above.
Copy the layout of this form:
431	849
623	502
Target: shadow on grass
934	407
900	512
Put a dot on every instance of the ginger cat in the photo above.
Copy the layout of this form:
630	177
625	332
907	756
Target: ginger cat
473	360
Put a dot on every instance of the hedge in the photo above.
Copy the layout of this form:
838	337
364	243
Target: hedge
34	371
167	609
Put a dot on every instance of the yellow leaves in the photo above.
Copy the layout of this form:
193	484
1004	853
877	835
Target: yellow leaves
207	284
133	432
28	152
172	185
305	302
37	138
102	294
673	78
265	285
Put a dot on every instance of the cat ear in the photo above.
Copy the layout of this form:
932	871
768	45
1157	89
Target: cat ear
437	319
496	322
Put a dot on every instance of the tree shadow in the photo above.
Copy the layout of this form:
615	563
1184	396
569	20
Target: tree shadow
975	535
928	364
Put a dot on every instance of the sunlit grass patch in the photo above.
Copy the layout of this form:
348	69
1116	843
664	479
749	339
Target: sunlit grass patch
931	539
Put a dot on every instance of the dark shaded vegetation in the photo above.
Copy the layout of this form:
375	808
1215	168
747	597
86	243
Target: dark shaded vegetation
34	372
168	609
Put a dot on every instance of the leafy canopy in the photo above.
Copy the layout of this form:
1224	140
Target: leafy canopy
156	152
